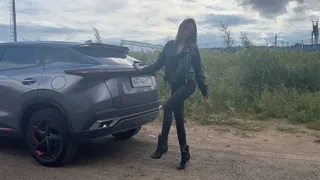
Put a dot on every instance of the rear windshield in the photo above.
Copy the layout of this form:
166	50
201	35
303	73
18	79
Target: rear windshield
106	56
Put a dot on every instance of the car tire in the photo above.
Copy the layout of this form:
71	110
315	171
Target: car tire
48	138
127	134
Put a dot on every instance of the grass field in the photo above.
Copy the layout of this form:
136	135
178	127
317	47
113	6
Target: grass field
266	84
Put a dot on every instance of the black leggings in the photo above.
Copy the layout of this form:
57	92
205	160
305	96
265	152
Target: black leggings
175	104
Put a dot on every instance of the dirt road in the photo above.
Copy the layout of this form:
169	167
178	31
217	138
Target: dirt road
217	153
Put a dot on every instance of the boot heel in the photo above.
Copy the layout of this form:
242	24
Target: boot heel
158	155
185	158
188	162
183	165
162	148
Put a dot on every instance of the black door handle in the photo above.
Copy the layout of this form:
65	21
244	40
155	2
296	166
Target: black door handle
28	81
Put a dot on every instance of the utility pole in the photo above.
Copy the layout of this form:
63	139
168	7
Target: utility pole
315	31
13	22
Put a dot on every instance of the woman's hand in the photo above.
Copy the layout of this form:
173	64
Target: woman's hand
207	99
137	66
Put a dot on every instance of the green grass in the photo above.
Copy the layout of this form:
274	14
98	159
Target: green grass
288	129
268	84
315	125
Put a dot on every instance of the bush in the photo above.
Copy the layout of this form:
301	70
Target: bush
275	84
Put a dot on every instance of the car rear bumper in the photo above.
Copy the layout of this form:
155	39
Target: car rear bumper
107	122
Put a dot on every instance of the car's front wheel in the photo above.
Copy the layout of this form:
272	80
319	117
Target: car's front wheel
127	134
48	138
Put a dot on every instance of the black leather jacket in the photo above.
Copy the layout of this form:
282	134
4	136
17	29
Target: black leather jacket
180	68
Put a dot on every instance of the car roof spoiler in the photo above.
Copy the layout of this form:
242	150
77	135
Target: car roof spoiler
121	49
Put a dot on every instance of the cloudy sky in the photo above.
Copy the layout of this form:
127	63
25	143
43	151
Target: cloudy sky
156	21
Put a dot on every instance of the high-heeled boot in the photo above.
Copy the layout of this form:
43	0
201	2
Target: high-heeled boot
162	148
185	157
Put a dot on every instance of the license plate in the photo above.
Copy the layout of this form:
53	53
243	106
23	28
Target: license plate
144	81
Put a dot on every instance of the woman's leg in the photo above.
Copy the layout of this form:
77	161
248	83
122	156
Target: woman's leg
162	146
167	121
184	148
179	94
179	117
176	104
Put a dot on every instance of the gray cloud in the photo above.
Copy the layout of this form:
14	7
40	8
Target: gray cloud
268	8
173	20
213	20
204	40
311	5
297	18
301	8
110	5
215	8
292	38
82	15
302	11
215	40
34	31
166	39
209	40
101	6
28	11
27	7
298	36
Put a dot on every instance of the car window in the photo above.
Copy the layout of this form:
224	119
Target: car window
51	55
19	57
106	56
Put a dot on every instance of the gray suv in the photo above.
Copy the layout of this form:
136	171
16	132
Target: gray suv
55	94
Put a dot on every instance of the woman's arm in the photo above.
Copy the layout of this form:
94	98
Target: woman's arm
161	61
200	78
156	66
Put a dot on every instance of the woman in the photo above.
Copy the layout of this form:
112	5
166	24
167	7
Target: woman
183	71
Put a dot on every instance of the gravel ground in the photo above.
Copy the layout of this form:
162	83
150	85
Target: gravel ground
216	153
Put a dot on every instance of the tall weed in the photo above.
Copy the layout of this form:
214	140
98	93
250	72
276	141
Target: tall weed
275	84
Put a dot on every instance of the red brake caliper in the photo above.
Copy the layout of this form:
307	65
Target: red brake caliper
37	142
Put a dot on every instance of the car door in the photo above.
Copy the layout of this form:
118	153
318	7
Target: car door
20	74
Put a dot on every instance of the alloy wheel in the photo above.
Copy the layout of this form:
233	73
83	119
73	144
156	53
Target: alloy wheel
47	140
